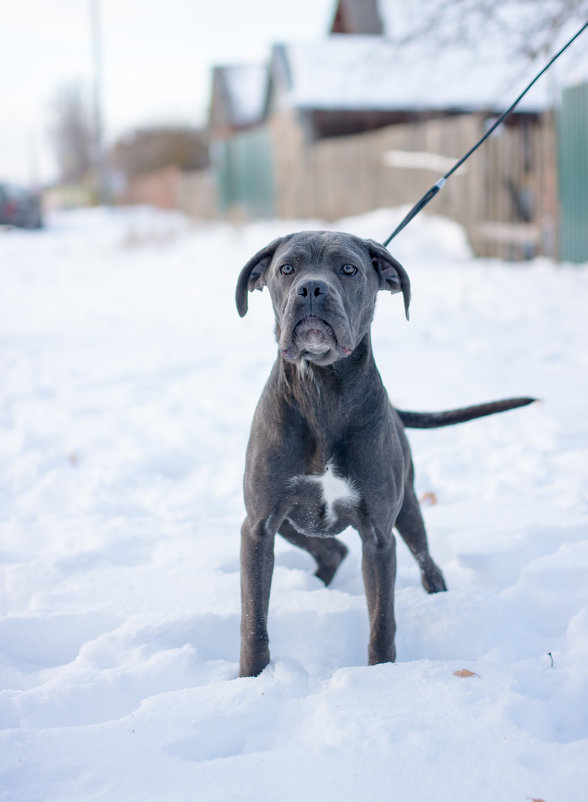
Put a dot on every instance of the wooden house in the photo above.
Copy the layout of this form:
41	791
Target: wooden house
361	120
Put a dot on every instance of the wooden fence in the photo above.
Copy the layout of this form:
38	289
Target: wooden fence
505	195
193	193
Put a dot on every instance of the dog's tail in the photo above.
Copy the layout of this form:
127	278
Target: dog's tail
433	420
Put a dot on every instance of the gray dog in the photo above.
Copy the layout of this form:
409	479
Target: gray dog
327	450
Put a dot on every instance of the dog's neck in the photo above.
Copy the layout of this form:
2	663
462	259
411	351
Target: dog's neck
329	402
319	390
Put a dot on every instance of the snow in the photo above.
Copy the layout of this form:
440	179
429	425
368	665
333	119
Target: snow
128	385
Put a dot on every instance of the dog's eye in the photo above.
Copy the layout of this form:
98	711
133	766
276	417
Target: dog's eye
349	270
286	270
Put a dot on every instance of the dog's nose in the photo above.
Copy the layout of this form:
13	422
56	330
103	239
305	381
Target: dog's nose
313	288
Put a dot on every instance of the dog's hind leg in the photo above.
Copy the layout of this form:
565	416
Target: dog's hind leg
411	527
328	552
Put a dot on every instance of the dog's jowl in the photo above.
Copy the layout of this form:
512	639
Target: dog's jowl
327	450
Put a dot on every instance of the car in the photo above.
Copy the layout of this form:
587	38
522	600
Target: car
20	207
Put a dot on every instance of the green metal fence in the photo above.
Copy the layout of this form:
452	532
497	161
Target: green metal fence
244	170
572	152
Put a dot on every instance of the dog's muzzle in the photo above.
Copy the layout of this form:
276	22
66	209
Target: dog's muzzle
314	325
315	339
314	335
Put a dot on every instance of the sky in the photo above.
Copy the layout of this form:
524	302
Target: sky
157	56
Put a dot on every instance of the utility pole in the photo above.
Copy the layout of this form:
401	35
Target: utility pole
32	161
99	157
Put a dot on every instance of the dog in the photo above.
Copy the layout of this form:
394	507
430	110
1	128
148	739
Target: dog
327	450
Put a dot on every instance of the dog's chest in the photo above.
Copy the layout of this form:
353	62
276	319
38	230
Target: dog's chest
322	502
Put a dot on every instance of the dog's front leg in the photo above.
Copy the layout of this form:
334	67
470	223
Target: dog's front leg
257	564
379	573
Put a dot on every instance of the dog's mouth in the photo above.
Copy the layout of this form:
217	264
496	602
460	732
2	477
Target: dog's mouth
314	335
314	339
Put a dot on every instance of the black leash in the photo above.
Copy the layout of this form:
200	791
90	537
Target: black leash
428	196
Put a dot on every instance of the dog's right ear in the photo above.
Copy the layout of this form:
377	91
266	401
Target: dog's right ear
252	277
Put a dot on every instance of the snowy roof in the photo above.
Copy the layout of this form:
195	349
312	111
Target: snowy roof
367	72
245	86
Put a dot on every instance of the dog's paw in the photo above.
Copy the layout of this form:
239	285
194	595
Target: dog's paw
433	581
329	560
255	656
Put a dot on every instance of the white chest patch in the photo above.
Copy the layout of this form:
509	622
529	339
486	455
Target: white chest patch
334	488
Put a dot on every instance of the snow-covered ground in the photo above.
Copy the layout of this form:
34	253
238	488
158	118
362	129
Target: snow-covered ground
128	385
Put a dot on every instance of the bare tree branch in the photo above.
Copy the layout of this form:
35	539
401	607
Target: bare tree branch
526	28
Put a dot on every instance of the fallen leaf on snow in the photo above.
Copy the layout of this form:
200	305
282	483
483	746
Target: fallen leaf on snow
464	672
429	499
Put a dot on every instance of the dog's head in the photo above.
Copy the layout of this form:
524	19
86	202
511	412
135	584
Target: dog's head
323	286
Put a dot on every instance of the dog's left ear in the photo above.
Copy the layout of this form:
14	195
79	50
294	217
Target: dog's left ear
392	275
252	276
